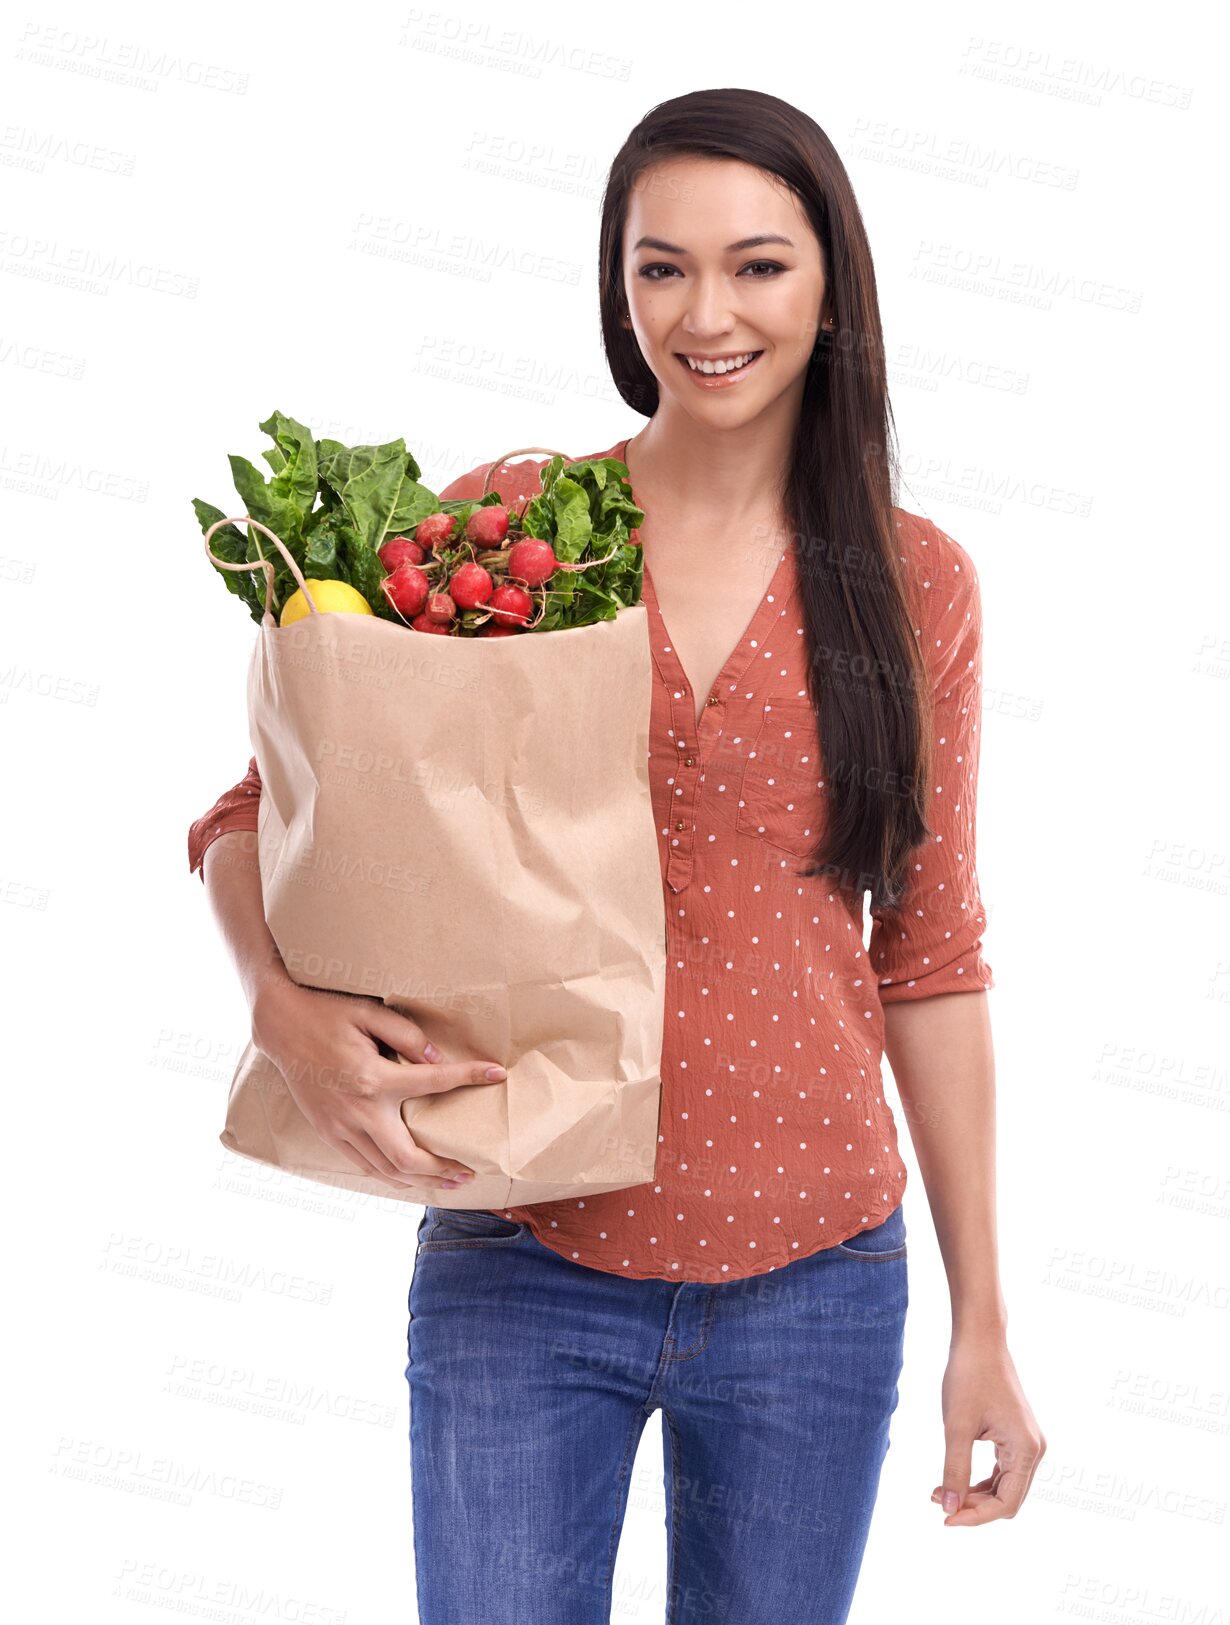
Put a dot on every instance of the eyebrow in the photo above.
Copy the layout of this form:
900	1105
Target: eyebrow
731	248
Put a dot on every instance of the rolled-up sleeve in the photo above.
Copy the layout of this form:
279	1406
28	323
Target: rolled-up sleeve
236	808
933	943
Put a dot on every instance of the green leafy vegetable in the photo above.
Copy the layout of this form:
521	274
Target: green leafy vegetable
588	511
334	506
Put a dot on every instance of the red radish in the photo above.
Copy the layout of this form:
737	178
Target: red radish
488	526
399	550
435	528
424	623
406	589
511	605
532	561
440	607
470	586
493	631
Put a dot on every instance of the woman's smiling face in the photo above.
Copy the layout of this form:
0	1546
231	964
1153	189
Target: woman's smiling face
721	261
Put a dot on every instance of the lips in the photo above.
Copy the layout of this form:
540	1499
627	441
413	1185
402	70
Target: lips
716	381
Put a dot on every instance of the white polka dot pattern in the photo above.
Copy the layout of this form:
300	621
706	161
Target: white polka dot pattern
775	1137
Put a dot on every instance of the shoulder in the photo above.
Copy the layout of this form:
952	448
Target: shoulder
513	481
944	592
935	561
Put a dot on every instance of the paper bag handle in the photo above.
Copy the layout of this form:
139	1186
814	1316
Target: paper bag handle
267	564
522	451
261	564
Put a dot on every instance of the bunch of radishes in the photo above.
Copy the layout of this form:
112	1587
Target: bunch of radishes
474	583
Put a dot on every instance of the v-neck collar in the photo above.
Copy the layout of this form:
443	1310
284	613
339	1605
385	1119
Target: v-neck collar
770	608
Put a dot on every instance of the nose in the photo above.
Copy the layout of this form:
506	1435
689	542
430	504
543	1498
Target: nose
709	315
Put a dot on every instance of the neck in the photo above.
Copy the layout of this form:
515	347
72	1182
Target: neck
706	482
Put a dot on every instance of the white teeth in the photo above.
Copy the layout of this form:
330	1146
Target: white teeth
721	366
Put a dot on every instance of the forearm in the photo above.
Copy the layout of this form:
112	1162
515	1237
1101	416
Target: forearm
233	882
943	1061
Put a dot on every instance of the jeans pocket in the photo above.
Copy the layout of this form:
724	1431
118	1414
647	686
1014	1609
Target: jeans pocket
467	1227
879	1243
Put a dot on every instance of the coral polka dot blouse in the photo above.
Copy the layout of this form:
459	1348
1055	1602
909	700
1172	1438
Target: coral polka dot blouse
775	1139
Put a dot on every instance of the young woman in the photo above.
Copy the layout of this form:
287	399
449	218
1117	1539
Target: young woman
815	736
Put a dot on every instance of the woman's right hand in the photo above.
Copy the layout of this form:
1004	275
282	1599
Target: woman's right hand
325	1046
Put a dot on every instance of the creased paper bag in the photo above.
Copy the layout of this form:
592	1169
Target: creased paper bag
462	828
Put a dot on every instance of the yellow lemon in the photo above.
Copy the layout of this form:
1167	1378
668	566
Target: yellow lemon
326	595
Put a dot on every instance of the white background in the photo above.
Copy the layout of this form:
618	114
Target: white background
191	207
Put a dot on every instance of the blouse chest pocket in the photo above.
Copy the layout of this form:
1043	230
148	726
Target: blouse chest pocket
780	799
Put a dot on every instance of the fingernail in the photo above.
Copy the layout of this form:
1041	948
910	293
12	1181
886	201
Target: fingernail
431	1052
951	1499
496	1074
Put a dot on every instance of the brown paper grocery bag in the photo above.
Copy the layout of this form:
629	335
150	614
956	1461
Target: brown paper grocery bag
462	828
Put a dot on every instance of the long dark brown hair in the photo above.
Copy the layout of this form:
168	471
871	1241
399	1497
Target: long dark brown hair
866	673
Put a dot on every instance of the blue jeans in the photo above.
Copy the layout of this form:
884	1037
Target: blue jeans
531	1380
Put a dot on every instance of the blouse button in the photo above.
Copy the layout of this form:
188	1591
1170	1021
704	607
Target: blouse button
680	824
712	700
689	761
